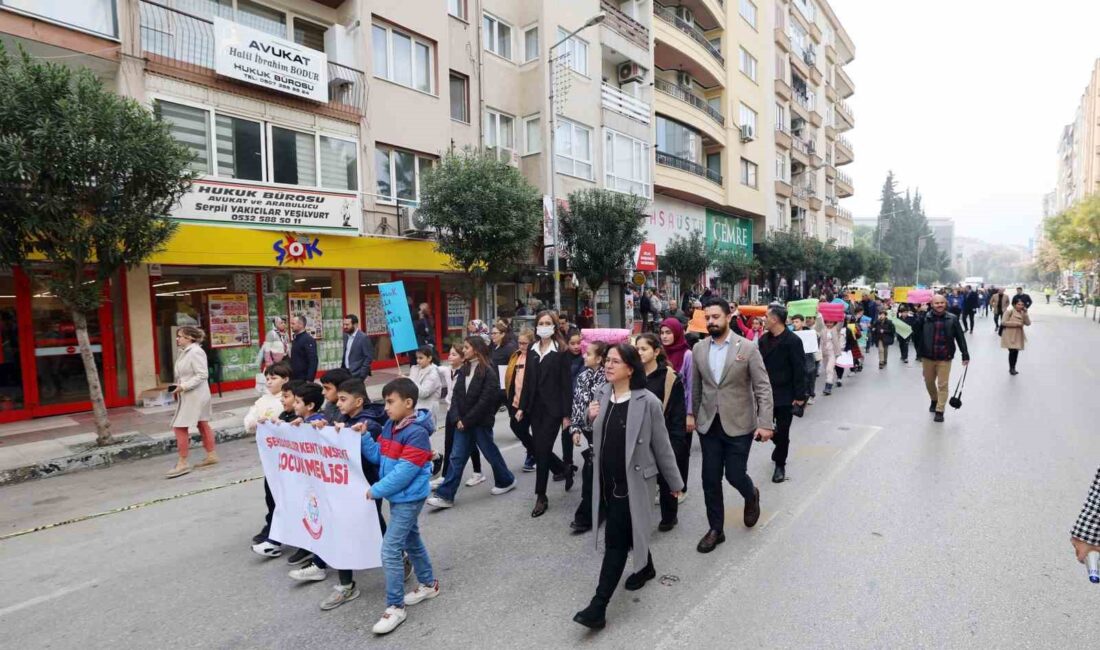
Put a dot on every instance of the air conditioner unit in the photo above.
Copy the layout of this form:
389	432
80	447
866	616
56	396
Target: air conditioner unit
685	14
683	80
630	71
809	57
413	224
747	134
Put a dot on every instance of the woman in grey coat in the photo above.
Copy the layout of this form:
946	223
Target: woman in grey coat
631	447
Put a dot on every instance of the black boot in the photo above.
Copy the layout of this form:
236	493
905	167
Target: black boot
592	616
637	580
611	570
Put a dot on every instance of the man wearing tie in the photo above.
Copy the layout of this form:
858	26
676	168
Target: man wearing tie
358	351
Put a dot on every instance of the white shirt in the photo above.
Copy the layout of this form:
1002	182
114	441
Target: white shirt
553	347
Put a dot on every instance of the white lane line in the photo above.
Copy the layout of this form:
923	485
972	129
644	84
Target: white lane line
43	599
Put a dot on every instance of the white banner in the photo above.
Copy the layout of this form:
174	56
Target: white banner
259	58
673	217
316	477
271	208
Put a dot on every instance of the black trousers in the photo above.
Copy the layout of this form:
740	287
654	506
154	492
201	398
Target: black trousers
449	443
1013	355
583	516
968	319
522	431
269	499
782	439
903	345
566	447
728	457
996	320
681	448
619	536
544	431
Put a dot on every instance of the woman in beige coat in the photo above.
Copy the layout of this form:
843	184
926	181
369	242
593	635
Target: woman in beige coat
192	399
1012	336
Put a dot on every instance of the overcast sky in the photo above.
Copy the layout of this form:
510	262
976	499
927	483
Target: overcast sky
966	99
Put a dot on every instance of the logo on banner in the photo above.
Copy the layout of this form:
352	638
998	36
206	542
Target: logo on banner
312	518
296	250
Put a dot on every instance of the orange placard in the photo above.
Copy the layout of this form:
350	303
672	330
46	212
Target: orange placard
752	311
698	322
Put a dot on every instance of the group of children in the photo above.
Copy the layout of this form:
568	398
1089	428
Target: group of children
396	461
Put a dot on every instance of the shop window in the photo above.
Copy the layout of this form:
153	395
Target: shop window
293	156
11	368
240	148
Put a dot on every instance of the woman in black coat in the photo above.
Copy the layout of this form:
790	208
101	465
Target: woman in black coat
670	390
547	401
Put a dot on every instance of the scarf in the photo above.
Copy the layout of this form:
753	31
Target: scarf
478	328
679	346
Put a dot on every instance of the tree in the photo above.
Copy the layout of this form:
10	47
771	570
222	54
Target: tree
864	235
850	263
601	230
783	253
687	258
486	216
1048	263
87	178
733	266
1076	232
876	265
822	259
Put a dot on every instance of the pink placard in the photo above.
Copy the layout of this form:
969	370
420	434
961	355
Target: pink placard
919	296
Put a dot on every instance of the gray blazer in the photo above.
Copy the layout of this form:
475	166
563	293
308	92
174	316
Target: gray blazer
360	357
743	397
648	453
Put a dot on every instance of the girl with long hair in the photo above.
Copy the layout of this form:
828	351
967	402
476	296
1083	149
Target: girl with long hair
668	386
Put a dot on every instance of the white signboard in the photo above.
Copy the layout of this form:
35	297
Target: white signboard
259	58
673	217
271	208
317	480
809	341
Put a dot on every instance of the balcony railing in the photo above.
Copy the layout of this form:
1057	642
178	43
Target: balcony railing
841	177
844	142
686	96
669	16
782	128
688	166
808	183
629	28
620	102
832	201
843	107
844	214
183	42
804	99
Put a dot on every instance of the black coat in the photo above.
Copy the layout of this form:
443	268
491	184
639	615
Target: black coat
883	330
676	411
502	354
303	357
925	330
477	406
970	301
547	384
360	357
785	360
424	331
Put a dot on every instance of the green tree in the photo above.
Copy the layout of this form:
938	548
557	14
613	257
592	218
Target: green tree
876	265
733	266
864	235
781	254
688	258
486	216
822	260
87	178
601	230
1076	232
850	263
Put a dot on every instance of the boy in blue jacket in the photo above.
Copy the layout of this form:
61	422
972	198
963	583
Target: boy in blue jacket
403	454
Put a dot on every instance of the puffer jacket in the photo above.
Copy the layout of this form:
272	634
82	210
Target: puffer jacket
404	459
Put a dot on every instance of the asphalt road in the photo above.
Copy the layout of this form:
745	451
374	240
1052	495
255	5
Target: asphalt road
892	532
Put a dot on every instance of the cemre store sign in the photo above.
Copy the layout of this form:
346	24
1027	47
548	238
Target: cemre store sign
259	58
273	208
729	233
672	217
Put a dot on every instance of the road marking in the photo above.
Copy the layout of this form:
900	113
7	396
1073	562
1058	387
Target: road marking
42	599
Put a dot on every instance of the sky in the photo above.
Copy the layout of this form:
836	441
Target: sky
966	99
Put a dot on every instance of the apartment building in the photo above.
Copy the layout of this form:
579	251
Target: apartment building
1079	148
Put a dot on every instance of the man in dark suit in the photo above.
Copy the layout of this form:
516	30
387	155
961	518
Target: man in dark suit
358	350
303	351
786	363
970	307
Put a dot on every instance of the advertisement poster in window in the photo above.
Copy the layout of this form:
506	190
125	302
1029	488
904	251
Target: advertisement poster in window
374	317
458	312
228	320
308	304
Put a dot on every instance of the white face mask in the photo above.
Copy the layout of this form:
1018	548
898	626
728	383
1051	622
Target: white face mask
544	331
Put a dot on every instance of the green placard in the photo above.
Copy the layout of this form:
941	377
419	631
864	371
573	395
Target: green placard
804	308
729	233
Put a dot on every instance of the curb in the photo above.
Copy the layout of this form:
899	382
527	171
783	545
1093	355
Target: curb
89	456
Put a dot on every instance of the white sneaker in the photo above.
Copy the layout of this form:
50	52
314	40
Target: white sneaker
340	595
267	549
309	573
440	502
683	497
475	479
496	491
436	482
422	593
393	617
810	401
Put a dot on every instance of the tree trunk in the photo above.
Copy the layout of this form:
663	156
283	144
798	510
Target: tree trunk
95	389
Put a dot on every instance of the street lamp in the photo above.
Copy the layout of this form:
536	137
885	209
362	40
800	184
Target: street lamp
594	20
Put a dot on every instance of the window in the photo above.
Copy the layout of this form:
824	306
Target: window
782	171
457	8
240	148
498	36
715	103
748	173
401	58
714	162
679	140
781	118
576	51
293	157
500	134
191	127
263	18
748	12
398	173
748	64
460	97
530	44
626	164
339	164
92	15
532	135
748	117
573	149
309	34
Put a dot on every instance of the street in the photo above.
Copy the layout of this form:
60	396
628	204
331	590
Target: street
892	531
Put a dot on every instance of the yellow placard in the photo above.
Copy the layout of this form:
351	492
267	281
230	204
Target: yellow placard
901	294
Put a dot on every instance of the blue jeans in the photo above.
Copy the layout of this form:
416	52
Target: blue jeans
403	534
465	439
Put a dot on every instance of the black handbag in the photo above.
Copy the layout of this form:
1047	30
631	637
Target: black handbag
956	400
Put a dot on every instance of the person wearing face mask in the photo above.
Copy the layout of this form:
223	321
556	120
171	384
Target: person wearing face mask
547	402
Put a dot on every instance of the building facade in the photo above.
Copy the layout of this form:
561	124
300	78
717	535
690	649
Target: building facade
1079	148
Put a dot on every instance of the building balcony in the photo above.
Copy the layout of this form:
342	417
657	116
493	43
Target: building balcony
844	153
830	92
844	187
679	106
844	85
676	49
843	214
782	136
669	17
686	96
802	103
668	160
800	151
815	32
830	172
782	40
830	52
686	180
624	25
783	188
782	89
830	131
181	45
616	100
816	118
798	64
847	119
831	206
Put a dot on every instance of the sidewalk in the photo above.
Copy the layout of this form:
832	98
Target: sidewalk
57	445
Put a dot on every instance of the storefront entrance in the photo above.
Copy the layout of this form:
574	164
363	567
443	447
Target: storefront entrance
41	371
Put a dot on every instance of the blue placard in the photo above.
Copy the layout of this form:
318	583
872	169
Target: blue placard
398	317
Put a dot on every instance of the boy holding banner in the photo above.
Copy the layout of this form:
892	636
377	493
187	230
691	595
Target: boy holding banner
403	454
